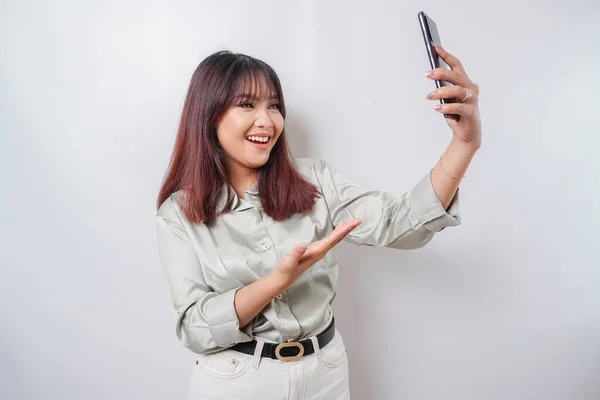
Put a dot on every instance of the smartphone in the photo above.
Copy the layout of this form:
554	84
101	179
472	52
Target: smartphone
432	38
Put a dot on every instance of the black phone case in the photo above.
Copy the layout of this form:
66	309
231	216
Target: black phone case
432	37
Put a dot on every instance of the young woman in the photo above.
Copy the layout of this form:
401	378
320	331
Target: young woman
245	232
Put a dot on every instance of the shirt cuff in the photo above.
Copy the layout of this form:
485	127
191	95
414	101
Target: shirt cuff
223	321
428	208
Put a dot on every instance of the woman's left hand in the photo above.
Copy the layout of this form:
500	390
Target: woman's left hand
468	128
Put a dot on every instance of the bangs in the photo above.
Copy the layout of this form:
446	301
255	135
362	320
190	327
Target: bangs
255	85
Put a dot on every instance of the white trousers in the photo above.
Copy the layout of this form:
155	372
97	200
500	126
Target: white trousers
231	375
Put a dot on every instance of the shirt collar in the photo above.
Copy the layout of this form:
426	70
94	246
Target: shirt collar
250	199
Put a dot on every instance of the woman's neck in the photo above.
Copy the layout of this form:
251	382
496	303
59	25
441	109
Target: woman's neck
242	180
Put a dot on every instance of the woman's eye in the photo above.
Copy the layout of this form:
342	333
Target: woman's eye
277	106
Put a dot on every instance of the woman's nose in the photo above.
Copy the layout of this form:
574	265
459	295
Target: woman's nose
263	121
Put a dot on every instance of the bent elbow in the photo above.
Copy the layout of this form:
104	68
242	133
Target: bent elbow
198	340
413	241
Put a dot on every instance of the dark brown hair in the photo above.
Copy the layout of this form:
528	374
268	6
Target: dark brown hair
197	165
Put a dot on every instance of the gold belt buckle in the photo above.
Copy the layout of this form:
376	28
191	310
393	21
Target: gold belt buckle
290	343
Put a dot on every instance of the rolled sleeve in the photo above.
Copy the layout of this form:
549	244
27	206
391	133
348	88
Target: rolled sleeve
406	222
223	323
428	208
205	321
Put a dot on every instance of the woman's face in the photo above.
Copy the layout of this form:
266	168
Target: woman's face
248	131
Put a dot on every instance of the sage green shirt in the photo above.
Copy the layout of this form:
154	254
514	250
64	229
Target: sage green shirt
205	266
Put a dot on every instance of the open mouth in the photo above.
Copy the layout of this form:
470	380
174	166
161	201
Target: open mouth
259	143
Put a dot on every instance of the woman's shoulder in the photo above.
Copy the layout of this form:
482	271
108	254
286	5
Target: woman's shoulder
316	169
310	166
171	208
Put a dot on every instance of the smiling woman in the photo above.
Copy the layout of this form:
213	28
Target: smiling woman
233	99
255	119
239	223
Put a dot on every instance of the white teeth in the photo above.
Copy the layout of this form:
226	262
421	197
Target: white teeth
258	139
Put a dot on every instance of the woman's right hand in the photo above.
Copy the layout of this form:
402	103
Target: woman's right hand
303	257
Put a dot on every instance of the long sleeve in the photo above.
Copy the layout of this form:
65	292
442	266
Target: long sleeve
205	321
408	222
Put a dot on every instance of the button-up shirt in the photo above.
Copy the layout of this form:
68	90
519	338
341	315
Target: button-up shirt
205	265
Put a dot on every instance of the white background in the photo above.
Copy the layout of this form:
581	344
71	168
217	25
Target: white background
506	306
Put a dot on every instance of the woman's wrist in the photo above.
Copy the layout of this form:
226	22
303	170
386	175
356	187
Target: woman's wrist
252	299
467	149
277	281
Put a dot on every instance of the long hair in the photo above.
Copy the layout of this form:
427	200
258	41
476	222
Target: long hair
197	166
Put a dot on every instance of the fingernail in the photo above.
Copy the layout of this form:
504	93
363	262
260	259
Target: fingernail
429	73
430	95
302	249
438	107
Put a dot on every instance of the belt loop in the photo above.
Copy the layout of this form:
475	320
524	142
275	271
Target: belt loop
260	342
315	343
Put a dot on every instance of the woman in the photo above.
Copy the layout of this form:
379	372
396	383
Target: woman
245	232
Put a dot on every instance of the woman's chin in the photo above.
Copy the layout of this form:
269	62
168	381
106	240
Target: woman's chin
257	162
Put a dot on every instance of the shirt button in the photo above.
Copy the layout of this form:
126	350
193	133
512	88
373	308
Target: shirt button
266	246
279	296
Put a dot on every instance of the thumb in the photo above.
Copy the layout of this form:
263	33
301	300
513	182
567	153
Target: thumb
293	257
299	249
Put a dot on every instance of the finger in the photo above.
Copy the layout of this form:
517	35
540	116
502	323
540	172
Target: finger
450	92
346	227
335	237
296	254
464	109
444	74
324	245
451	60
299	249
353	223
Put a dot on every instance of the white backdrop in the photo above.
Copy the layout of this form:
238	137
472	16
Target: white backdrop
506	306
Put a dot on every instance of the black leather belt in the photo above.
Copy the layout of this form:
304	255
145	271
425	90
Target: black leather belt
289	351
